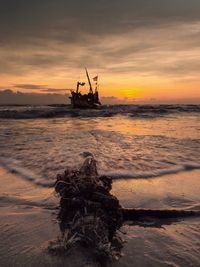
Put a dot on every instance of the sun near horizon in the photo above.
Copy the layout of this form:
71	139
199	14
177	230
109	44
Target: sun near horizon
139	50
123	89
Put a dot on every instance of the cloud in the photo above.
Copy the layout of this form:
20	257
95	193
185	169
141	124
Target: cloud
69	21
129	38
41	88
144	51
29	86
8	97
56	90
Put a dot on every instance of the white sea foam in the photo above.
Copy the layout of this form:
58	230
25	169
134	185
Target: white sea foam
132	111
39	149
13	167
156	173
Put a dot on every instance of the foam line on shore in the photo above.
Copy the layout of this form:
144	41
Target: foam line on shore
158	173
13	167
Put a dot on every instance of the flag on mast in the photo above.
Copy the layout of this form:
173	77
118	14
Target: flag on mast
95	78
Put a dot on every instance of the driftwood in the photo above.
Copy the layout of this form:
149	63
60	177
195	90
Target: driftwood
90	215
141	214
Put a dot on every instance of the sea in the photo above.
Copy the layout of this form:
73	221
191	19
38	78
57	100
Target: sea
152	152
128	141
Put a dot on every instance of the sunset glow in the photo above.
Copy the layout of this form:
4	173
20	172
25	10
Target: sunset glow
100	133
137	57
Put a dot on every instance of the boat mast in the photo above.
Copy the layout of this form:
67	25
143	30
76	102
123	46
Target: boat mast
91	91
96	86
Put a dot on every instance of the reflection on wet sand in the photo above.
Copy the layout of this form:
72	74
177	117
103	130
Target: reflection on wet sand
28	225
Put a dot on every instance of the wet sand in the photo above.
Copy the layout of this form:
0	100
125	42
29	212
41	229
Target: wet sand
27	223
175	191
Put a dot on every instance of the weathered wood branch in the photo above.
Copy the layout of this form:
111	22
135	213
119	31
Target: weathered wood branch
141	214
90	215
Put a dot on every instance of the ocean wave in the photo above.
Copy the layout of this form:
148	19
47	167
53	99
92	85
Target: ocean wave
13	166
152	174
142	111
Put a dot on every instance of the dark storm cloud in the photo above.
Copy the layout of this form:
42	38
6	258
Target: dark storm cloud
68	20
48	35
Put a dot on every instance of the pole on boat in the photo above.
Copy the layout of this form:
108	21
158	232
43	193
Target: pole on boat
77	87
91	91
95	79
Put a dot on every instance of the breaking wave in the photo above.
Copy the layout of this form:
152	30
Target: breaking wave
13	166
142	111
152	174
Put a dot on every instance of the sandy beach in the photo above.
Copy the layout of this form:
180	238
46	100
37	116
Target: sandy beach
28	224
99	133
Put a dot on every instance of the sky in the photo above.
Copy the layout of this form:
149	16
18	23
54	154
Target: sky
141	50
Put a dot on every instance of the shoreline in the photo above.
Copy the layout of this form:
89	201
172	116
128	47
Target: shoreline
28	225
